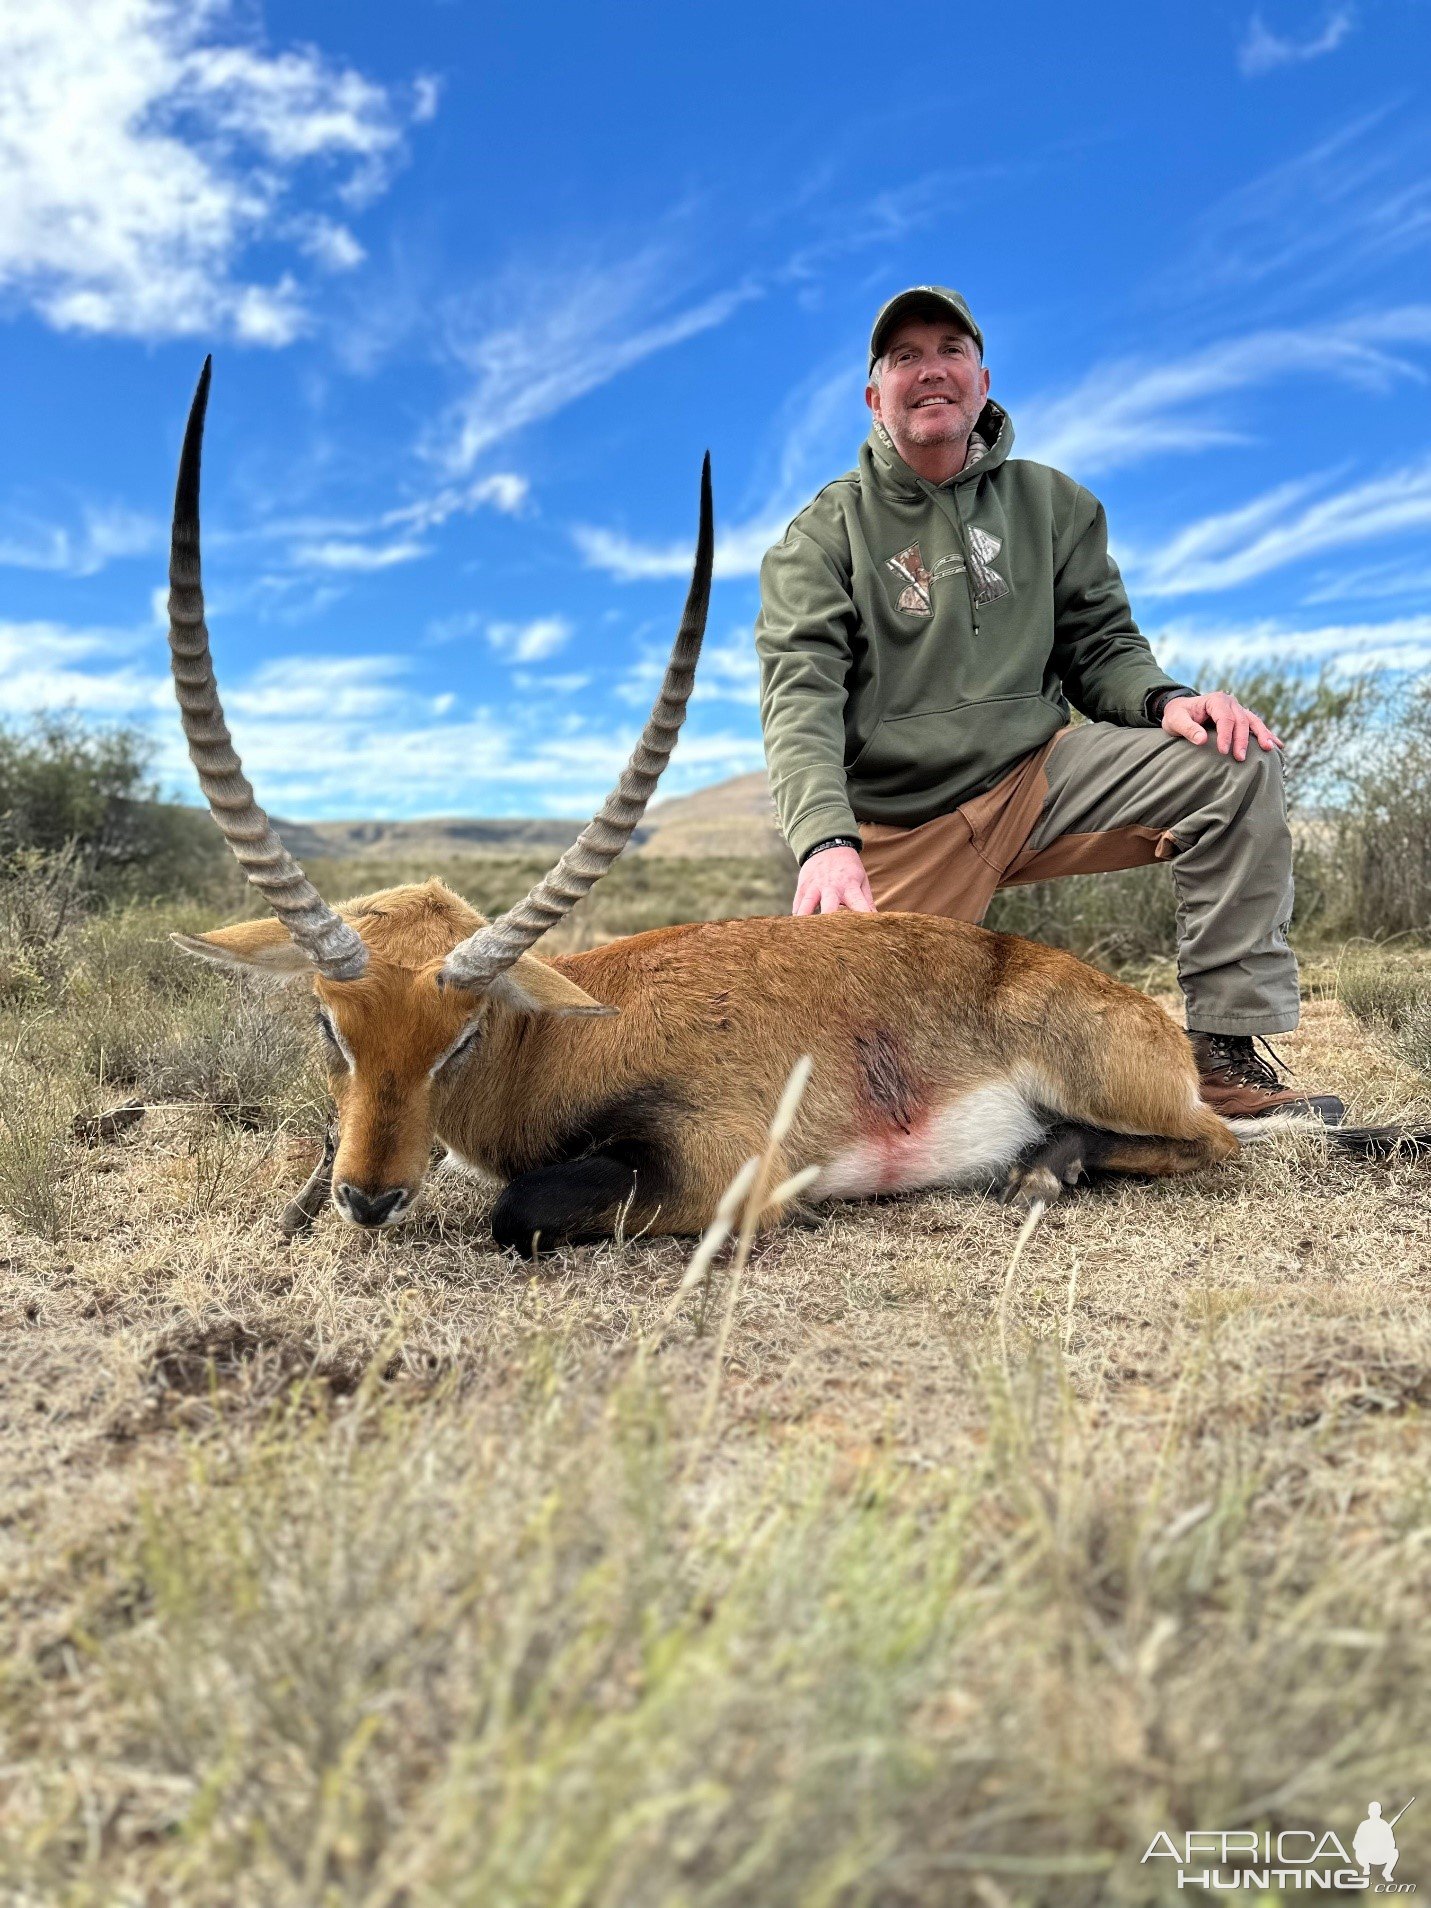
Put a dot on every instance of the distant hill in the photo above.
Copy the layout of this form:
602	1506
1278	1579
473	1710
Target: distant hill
734	818
731	818
442	837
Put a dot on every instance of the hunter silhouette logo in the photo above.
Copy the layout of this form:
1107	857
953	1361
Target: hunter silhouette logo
917	598
1224	1860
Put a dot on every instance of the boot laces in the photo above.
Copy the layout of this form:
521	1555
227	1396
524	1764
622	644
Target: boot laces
1237	1055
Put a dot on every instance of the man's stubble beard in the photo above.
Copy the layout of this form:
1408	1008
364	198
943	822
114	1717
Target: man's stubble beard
964	419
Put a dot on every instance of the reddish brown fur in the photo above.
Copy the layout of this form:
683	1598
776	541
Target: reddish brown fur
901	1013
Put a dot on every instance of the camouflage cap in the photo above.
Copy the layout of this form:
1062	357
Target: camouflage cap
905	303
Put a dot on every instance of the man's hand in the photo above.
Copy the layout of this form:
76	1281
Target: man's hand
833	879
1188	716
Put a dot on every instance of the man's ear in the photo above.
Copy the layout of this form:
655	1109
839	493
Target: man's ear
529	986
261	946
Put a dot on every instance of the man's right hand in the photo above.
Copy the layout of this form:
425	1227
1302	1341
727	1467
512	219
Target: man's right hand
833	879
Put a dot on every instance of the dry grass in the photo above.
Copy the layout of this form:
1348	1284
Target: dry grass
1389	990
387	1571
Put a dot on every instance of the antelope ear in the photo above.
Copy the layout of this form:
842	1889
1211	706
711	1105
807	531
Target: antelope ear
531	987
265	946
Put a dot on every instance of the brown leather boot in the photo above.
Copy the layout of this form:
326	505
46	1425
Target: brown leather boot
1239	1084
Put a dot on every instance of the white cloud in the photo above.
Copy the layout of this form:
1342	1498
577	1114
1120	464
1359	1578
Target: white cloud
568	685
529	642
1322	223
1232	547
106	532
328	243
1377	582
1262	50
811	434
337	689
354	736
391	536
738	551
503	490
1351	648
451	629
45	665
500	490
1125	412
338	553
728	671
145	145
565	330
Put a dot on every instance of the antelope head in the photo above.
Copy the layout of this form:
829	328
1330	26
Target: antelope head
406	982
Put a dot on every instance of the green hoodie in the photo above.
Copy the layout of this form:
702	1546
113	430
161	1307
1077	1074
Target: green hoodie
917	639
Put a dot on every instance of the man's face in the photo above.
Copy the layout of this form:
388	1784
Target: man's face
932	387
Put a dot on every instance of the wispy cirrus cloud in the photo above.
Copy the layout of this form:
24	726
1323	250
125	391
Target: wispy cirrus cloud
348	553
1262	50
564	329
1326	221
816	425
368	544
1403	643
529	642
1127	411
104	534
729	672
147	145
630	560
1288	524
1376	582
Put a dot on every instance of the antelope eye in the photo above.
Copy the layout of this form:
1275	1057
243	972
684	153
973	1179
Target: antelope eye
330	1038
462	1045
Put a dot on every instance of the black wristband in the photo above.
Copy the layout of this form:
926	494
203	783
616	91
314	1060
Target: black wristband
834	841
1158	700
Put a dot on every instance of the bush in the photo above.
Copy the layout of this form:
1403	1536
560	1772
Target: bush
1383	833
84	797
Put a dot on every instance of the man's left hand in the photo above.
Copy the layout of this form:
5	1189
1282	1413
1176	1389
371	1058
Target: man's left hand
1192	716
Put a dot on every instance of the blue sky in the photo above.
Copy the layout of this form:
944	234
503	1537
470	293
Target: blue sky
483	283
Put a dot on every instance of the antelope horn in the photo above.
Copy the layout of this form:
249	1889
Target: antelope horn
335	949
477	962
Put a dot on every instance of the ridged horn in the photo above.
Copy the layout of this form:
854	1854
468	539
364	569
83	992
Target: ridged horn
335	949
477	962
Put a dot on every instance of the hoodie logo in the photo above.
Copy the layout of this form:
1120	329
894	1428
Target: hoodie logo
917	597
989	586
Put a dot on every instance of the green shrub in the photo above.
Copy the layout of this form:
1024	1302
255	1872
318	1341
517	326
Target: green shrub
85	794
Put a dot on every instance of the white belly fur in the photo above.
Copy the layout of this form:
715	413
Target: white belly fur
971	1140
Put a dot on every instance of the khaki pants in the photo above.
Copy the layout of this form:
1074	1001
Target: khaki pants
1098	797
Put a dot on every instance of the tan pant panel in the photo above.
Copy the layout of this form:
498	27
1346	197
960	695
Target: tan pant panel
953	864
1103	852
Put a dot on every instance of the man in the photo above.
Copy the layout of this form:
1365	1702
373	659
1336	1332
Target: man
925	623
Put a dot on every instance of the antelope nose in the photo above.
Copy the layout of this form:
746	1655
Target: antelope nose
369	1209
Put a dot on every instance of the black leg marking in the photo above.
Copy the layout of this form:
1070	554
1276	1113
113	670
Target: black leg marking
1072	1151
1042	1171
304	1208
573	1203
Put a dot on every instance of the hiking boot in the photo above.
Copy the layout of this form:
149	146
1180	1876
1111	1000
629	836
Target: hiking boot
1239	1084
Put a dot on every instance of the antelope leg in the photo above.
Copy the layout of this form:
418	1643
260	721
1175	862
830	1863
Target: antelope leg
304	1207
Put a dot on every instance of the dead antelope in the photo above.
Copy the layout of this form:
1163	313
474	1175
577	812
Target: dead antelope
626	1085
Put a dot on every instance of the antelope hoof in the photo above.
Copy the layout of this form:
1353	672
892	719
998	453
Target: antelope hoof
1034	1184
